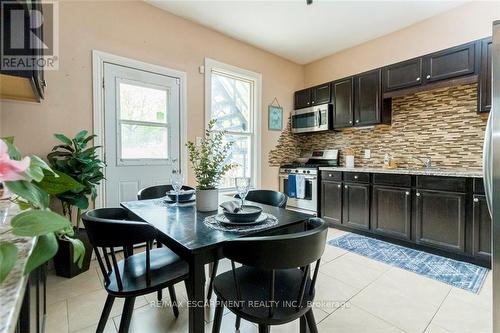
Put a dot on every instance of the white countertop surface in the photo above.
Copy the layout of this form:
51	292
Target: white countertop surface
474	173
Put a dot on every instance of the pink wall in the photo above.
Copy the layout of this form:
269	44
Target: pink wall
457	26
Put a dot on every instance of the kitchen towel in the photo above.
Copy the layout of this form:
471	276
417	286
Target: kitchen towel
292	186
300	186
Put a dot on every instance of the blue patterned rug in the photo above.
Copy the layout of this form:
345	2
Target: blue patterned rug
459	274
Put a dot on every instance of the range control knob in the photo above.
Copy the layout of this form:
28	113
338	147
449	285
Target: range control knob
296	171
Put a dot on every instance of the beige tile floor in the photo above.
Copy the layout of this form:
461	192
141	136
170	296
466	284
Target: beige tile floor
353	295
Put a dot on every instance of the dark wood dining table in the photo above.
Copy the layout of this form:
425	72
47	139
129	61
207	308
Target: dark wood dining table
183	230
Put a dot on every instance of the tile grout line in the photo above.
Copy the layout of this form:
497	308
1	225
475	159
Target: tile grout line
67	313
437	310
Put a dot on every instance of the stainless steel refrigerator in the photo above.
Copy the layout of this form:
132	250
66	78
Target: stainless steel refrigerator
491	166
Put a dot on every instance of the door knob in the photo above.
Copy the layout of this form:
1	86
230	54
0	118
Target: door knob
428	77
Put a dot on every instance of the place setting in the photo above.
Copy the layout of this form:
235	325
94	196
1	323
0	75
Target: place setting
239	217
180	195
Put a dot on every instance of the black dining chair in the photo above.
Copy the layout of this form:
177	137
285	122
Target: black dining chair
275	274
157	191
266	197
138	274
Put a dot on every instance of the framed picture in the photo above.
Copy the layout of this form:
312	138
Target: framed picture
275	118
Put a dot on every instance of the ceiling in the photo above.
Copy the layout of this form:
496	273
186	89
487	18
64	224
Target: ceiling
301	33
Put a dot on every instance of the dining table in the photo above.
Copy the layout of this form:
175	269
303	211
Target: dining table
182	229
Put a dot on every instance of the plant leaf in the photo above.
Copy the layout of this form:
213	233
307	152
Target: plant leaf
79	200
64	139
37	222
37	168
30	192
78	250
81	135
59	183
45	248
8	255
12	150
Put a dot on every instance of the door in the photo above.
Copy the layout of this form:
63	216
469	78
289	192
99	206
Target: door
391	211
440	220
481	228
450	63
342	103
141	138
331	202
356	206
302	98
367	98
484	84
403	75
320	94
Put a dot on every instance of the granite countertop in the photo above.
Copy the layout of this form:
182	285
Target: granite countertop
12	288
473	173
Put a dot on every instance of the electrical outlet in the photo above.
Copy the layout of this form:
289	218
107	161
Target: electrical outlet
368	153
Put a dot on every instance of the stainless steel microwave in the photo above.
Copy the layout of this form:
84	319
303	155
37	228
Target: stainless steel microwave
312	119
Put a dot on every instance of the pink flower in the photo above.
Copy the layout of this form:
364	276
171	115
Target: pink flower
11	170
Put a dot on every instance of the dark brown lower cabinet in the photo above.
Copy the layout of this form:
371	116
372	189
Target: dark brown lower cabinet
440	220
331	202
391	211
481	228
33	309
356	206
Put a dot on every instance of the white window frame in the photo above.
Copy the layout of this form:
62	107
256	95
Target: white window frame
255	121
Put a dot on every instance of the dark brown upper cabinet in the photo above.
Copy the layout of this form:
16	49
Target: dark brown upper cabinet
450	63
302	98
484	85
403	75
320	94
369	107
342	100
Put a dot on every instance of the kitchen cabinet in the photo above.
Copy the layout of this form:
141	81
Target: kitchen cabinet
33	309
331	201
481	228
450	63
356	205
302	99
403	75
391	211
485	73
367	98
320	94
440	219
342	100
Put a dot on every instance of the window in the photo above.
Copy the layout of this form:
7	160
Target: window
143	125
233	99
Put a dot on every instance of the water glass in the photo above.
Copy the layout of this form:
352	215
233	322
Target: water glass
242	186
176	179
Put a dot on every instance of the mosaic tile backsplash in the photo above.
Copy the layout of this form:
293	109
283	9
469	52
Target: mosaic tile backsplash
441	124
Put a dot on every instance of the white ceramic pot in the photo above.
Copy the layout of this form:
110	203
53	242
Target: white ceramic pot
349	161
207	200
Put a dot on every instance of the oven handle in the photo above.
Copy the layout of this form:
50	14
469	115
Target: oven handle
307	177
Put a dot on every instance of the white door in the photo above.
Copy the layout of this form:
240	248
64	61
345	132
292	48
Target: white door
142	131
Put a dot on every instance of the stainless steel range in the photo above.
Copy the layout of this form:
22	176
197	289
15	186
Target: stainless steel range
310	171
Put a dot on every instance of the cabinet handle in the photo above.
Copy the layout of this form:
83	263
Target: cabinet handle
350	121
312	102
418	194
428	77
418	79
476	200
355	177
339	186
329	175
307	103
345	186
357	121
407	193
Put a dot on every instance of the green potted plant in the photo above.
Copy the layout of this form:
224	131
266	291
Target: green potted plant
74	158
31	182
209	162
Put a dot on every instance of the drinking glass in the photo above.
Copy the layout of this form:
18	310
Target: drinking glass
177	180
242	186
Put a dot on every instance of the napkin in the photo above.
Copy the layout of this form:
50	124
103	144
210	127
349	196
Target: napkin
230	206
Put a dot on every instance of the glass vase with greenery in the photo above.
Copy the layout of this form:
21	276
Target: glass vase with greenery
32	181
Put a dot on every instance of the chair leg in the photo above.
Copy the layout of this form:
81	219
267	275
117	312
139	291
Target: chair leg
159	295
173	299
213	273
263	328
128	308
105	314
311	322
219	309
237	322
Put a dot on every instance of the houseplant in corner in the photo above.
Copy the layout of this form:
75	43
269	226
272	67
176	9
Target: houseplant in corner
80	162
209	162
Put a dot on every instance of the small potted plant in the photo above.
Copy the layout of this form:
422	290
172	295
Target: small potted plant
80	162
209	162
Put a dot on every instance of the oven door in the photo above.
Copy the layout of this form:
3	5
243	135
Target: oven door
311	119
310	201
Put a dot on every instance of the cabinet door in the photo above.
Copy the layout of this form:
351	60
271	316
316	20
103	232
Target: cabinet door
481	228
331	202
450	63
356	206
403	75
484	85
302	98
391	211
440	220
320	94
367	98
342	100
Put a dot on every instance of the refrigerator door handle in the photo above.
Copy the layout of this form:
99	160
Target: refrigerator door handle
487	165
